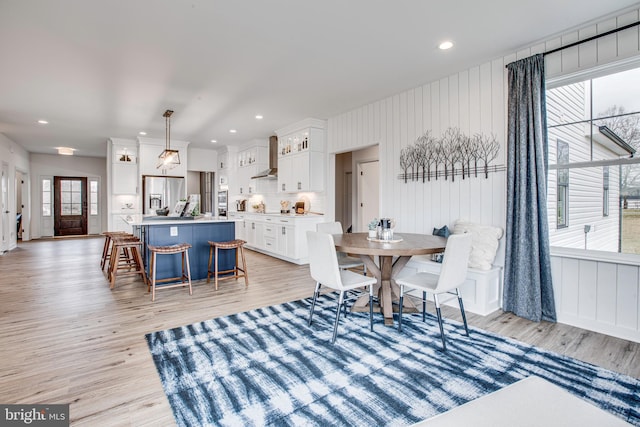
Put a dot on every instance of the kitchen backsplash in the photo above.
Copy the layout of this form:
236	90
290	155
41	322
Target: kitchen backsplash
272	201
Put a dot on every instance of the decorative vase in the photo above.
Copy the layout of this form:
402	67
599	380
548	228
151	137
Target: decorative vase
372	234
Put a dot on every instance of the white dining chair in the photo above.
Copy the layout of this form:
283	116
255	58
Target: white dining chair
345	261
446	284
323	264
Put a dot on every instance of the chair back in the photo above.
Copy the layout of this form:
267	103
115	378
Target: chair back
329	227
323	260
455	262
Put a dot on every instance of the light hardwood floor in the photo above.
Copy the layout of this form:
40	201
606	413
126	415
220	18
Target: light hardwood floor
66	338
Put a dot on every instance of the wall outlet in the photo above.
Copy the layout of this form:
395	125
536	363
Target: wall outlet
173	231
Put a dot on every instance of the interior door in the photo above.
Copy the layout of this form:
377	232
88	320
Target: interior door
6	222
368	193
70	206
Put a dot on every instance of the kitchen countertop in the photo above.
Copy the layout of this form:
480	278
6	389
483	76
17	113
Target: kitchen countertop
278	214
144	220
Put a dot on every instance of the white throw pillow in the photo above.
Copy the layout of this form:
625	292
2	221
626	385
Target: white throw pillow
484	243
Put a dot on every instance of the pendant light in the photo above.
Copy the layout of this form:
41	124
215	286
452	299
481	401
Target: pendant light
169	158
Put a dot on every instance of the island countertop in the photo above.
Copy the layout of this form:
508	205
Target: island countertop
159	220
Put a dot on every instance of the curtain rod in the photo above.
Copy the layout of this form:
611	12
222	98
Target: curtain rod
588	39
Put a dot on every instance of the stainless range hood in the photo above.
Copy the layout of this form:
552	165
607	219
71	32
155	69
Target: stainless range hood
272	172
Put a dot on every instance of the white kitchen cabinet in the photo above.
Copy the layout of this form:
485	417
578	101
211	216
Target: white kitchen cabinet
281	236
250	232
248	163
223	159
124	169
240	224
286	237
301	157
125	179
301	172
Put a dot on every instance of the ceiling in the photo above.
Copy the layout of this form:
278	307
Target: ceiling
96	69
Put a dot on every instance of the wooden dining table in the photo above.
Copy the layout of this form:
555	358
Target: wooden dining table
388	268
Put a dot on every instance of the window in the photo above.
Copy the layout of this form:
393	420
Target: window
93	198
71	197
594	194
605	191
46	197
563	184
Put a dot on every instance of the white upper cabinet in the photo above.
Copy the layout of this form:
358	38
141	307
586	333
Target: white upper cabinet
301	157
124	167
249	162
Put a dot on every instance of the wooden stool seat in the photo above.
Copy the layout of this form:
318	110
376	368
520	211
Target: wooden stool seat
238	245
106	250
180	248
125	258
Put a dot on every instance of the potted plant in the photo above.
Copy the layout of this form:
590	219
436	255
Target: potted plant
373	224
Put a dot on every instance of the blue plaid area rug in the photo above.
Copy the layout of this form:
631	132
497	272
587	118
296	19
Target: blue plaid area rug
267	367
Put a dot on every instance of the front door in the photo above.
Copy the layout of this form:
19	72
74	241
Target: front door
70	206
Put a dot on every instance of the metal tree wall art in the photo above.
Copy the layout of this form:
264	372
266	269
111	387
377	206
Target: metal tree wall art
454	153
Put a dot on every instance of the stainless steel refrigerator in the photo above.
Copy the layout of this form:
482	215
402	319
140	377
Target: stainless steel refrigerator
160	191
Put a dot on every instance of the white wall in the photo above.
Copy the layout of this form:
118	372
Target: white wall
475	101
56	165
202	160
17	158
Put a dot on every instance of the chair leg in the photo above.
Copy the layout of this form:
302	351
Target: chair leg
215	270
444	344
153	277
185	255
209	265
335	325
313	303
464	317
244	267
371	308
401	303
424	306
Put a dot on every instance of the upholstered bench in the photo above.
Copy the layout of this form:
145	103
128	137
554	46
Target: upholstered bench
481	292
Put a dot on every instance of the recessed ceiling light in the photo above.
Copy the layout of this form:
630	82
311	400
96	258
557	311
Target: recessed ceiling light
259	117
142	132
43	122
233	130
65	151
213	141
445	45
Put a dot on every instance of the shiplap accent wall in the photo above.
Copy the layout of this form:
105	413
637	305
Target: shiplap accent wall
472	100
475	101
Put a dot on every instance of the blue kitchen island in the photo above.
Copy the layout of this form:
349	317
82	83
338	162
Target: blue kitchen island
197	232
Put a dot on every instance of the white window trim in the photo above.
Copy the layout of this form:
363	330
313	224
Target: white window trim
592	73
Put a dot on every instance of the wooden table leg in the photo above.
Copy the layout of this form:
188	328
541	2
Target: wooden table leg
386	289
386	301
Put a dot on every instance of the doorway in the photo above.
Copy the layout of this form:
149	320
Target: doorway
20	192
368	193
357	188
4	202
70	206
